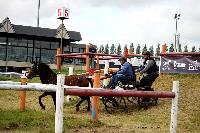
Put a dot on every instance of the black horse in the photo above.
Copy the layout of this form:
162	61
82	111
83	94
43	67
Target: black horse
47	76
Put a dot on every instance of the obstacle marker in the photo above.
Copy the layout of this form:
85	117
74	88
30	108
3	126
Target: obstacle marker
24	81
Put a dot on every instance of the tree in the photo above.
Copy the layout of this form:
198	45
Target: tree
112	49
193	49
132	47
158	50
179	48
185	48
144	48
101	49
151	50
171	48
167	48
106	50
119	51
138	49
125	46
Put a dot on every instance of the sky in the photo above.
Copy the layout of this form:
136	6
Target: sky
114	21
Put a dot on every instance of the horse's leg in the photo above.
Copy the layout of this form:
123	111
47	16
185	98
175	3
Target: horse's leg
88	100
40	99
83	98
79	103
53	95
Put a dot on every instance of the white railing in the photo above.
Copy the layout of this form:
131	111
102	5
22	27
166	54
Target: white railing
11	74
59	89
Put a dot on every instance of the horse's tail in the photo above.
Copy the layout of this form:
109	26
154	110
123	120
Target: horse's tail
90	82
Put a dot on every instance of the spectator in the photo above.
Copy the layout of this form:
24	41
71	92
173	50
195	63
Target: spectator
92	50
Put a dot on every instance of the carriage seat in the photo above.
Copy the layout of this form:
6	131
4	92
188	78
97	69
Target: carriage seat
143	87
124	83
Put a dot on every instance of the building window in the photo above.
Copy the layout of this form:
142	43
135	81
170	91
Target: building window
54	45
2	52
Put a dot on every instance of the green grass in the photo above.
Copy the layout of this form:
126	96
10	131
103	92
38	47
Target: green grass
15	119
66	71
38	121
134	119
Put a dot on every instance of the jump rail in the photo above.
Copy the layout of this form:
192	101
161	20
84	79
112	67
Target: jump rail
85	91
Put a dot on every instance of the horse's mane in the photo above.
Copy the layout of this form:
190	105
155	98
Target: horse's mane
45	67
47	75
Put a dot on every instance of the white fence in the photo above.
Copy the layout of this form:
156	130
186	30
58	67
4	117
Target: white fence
59	89
11	74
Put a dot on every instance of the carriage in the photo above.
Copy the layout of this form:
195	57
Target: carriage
113	104
47	76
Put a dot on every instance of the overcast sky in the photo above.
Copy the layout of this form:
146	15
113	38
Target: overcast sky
113	21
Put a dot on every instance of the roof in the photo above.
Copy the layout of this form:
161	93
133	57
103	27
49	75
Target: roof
37	31
45	32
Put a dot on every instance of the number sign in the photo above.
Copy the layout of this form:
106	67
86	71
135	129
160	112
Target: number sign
63	13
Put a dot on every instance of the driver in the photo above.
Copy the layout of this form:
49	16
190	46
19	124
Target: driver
125	73
149	67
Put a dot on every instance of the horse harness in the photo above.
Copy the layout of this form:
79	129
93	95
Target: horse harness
79	78
52	79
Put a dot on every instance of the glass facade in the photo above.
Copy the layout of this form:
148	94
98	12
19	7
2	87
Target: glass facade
24	50
2	48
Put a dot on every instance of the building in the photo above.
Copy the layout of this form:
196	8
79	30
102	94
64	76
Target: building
20	45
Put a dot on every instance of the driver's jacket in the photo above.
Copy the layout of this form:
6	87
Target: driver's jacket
126	70
150	67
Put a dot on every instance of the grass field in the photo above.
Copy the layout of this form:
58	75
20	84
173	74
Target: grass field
155	119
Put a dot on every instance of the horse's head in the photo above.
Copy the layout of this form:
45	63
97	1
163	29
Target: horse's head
33	71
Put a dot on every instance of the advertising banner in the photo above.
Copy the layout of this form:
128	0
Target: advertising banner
180	64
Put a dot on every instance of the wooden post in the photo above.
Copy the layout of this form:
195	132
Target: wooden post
87	60
174	108
24	81
106	69
58	59
59	103
125	52
163	50
71	72
95	99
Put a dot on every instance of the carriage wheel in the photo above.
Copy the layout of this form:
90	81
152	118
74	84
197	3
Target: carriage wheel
155	101
121	103
114	104
108	103
144	102
131	100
